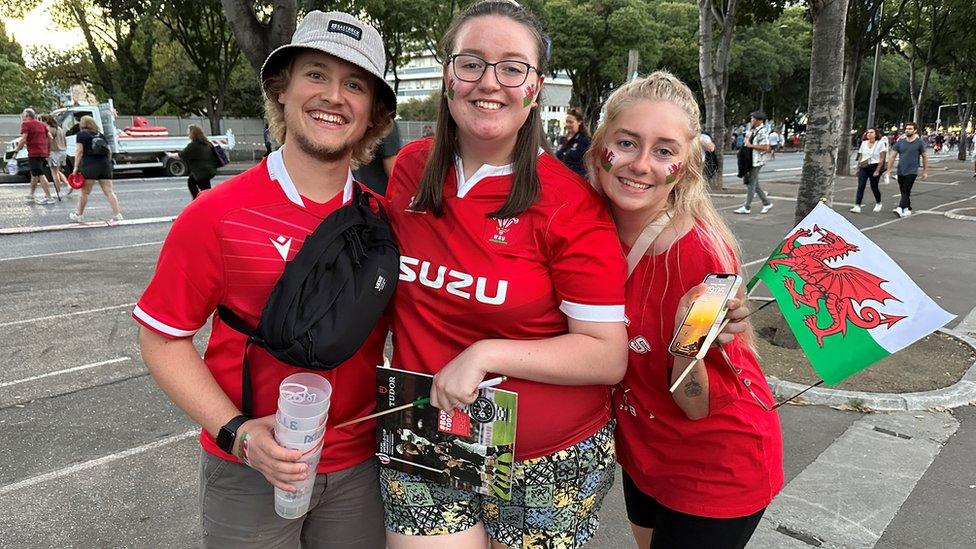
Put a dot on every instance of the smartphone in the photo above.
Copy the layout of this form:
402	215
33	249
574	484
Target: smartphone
704	319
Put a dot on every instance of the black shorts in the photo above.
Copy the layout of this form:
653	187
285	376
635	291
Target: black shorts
675	530
37	165
96	168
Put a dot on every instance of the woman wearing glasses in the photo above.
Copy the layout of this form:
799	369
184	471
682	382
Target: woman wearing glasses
700	465
510	266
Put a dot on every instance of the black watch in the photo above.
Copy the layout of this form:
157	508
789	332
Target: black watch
228	434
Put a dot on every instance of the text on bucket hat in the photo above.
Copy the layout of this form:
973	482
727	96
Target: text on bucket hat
341	35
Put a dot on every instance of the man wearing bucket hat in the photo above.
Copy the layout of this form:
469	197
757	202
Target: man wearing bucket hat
326	102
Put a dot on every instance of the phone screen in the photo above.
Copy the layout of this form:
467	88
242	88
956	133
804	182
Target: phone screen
695	331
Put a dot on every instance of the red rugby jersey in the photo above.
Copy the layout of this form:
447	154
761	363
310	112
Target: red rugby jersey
465	277
230	246
729	464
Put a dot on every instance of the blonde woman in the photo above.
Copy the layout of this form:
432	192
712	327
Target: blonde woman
701	465
95	163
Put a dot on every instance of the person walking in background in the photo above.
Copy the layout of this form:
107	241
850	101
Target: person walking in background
910	153
266	134
756	139
870	162
57	153
775	141
574	142
93	160
34	135
200	158
376	174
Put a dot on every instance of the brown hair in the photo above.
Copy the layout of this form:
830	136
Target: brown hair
88	123
912	124
381	117
578	115
530	138
196	134
877	134
49	120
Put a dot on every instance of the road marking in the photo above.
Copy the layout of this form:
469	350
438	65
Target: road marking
95	462
848	496
67	371
87	225
66	315
51	254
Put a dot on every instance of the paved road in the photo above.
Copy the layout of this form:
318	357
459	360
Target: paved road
93	455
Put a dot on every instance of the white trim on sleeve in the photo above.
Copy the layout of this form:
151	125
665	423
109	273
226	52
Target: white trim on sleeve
593	313
160	326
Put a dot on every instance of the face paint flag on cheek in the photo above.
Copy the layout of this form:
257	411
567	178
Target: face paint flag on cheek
450	89
606	161
529	95
673	170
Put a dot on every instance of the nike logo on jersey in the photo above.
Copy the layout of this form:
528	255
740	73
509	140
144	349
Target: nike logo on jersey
640	345
457	282
282	244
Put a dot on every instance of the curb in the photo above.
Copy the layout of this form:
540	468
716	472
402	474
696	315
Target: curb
951	214
961	393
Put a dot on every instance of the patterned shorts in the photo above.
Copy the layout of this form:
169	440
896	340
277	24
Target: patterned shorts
554	505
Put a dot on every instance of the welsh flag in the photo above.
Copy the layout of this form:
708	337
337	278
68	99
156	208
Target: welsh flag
846	301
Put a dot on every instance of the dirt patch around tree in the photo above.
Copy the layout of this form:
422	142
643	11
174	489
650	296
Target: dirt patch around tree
934	362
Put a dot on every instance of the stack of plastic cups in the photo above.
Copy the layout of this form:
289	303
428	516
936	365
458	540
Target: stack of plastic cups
303	408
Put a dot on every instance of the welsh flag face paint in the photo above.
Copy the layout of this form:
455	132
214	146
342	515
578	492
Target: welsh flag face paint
529	95
450	89
673	170
606	161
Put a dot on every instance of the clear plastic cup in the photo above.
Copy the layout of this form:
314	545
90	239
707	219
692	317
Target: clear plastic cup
304	395
300	423
288	437
292	505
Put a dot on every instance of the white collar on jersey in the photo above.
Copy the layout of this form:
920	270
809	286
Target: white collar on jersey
486	170
278	172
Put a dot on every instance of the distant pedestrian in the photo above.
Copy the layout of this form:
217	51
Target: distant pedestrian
57	154
200	158
739	140
93	160
910	153
870	162
574	142
267	139
775	141
376	174
34	136
756	139
709	157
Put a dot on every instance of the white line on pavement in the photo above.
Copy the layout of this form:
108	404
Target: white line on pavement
86	225
65	315
83	251
67	371
95	462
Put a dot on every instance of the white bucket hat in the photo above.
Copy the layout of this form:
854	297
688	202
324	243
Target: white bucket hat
341	35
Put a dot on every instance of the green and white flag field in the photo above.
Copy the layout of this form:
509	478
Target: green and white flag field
846	301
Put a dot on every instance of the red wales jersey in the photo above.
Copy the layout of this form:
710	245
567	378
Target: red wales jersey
726	465
230	246
465	277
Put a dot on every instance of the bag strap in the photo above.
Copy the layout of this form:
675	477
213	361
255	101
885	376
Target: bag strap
645	239
231	319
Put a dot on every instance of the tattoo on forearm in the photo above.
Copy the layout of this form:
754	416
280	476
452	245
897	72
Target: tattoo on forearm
692	387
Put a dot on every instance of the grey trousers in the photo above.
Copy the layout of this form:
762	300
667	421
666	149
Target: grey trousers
237	508
753	188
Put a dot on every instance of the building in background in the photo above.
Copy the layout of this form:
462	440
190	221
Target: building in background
421	76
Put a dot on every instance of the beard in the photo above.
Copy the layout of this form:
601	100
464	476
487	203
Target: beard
325	153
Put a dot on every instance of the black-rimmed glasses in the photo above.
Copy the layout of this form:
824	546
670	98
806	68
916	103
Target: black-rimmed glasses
508	72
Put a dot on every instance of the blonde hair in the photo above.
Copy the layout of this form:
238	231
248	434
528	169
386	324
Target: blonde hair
87	123
274	113
689	197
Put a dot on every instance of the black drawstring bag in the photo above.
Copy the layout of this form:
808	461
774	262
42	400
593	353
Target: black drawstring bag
330	294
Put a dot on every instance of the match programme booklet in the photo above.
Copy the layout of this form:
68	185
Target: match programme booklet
469	449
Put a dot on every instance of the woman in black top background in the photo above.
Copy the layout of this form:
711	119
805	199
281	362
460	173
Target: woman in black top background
574	143
200	158
95	163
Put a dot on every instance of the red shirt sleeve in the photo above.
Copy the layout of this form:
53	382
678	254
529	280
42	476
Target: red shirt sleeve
189	278
587	264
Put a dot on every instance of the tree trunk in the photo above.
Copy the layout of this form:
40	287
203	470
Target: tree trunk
258	39
713	67
826	102
852	72
922	88
964	115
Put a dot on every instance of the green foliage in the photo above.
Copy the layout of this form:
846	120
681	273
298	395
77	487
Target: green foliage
424	110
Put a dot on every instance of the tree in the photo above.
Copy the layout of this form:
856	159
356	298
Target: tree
208	43
825	105
423	110
262	26
922	31
19	86
960	68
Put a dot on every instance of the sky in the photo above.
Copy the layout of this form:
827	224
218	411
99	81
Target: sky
38	30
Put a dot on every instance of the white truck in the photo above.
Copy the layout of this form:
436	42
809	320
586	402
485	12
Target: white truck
129	151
